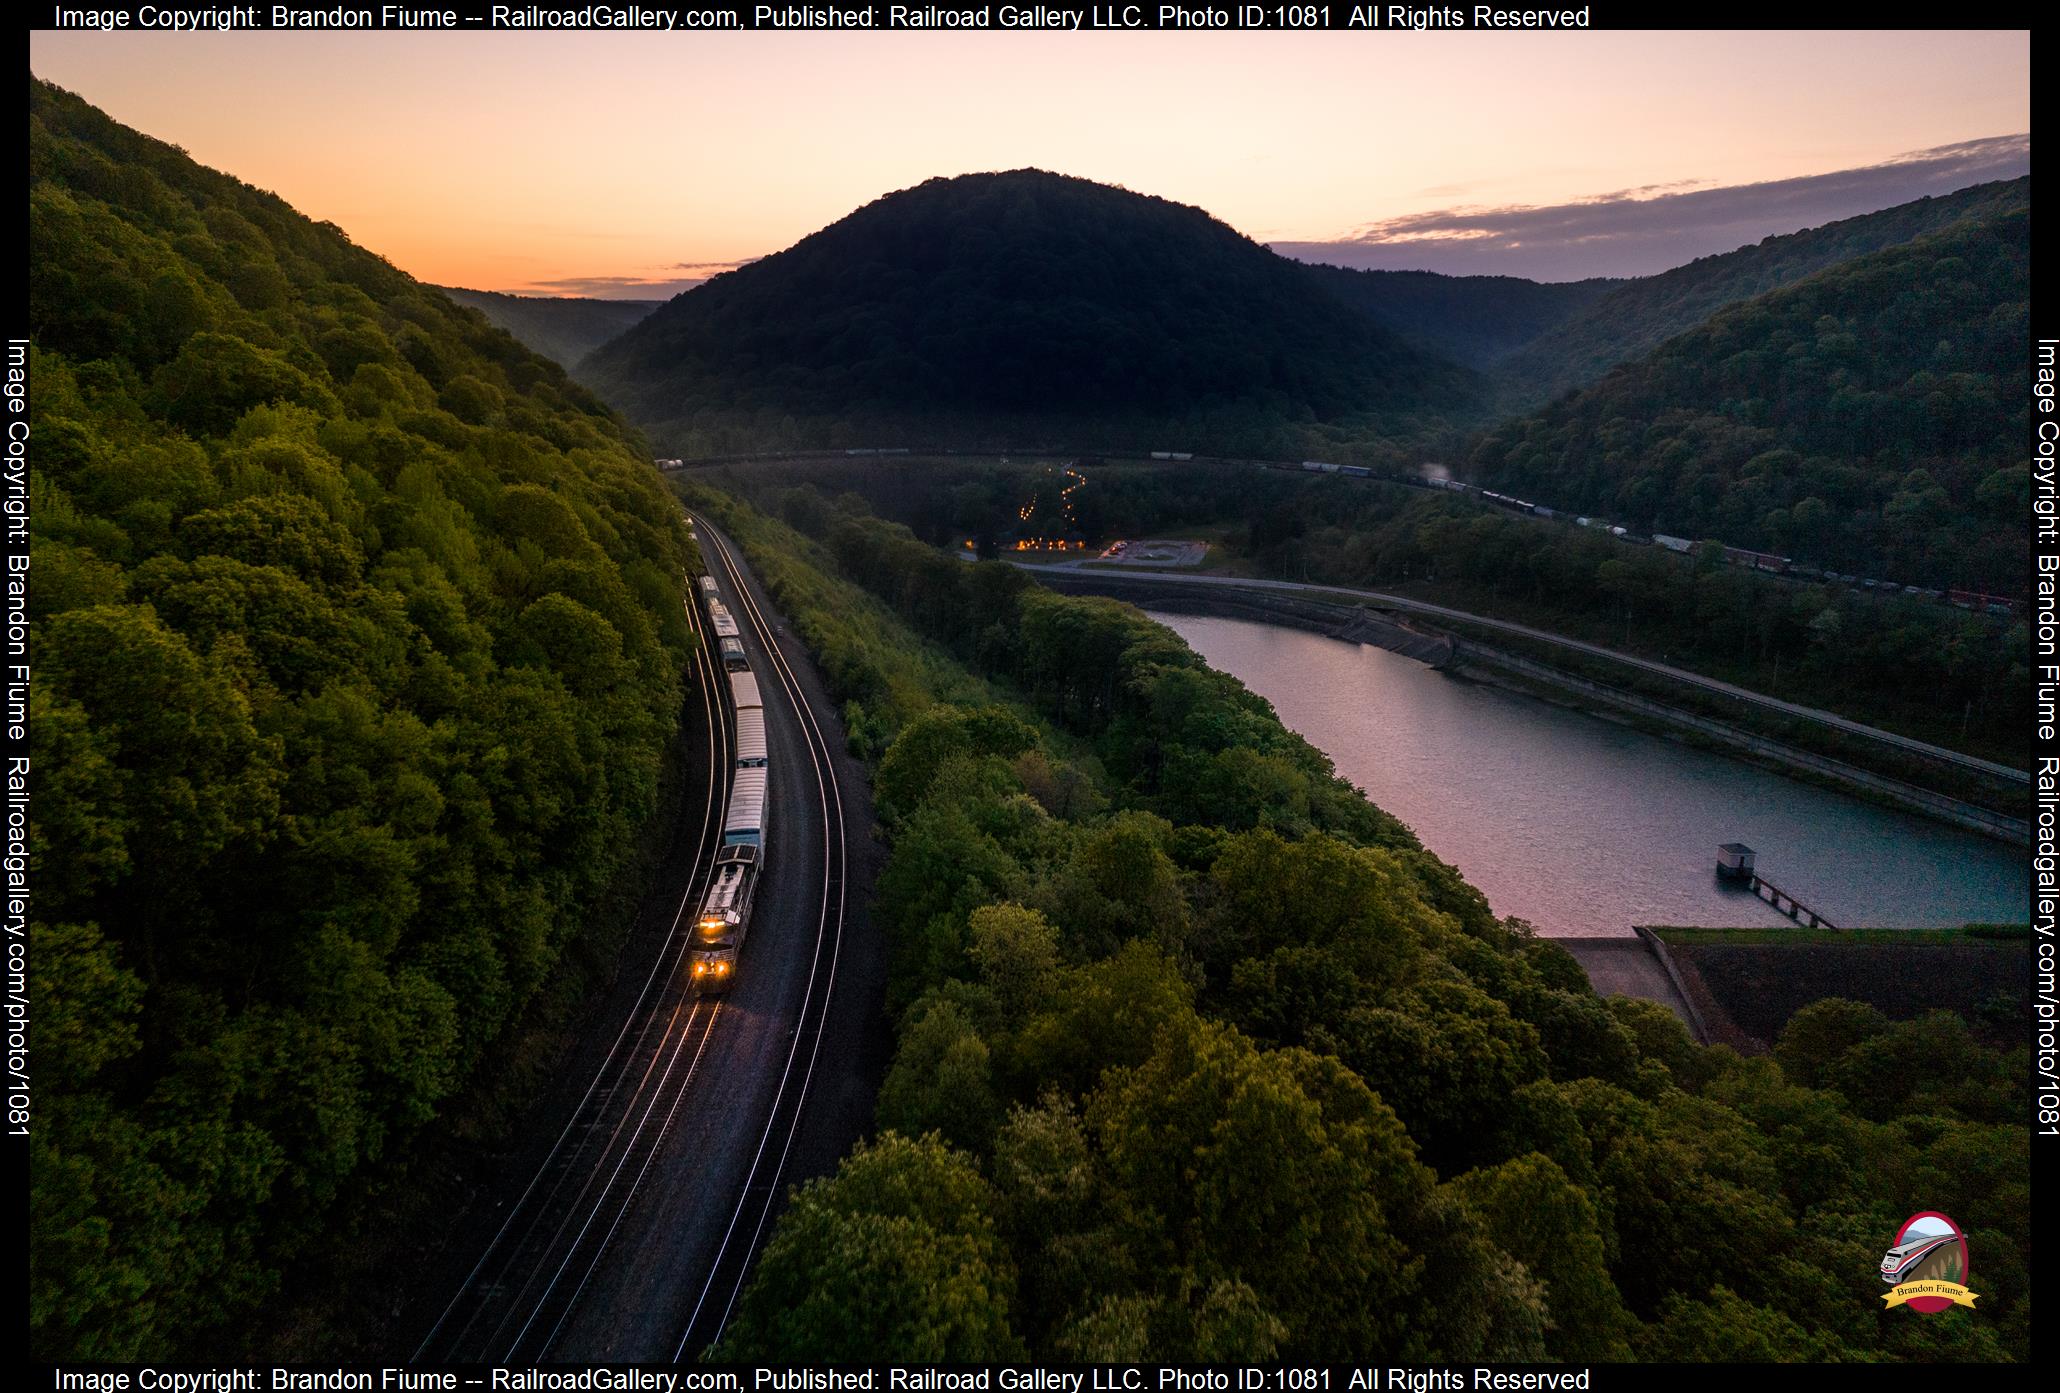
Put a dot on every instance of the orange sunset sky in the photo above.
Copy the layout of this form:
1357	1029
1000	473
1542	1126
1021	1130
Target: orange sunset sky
630	163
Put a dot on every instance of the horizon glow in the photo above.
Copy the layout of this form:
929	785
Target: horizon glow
517	162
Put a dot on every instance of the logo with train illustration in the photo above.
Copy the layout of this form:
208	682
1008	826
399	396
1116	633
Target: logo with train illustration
1926	1267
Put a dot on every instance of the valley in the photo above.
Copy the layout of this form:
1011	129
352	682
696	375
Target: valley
949	762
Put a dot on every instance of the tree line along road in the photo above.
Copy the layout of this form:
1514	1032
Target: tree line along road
1681	675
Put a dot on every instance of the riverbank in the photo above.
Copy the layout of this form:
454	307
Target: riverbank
1467	655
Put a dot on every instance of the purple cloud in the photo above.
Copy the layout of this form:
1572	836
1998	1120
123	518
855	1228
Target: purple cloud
658	287
707	269
1637	232
609	287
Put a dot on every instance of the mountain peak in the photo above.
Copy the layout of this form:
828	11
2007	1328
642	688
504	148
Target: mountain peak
1022	297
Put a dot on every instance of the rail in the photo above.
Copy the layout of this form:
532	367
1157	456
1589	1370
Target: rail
1783	568
760	1197
1354	595
521	1282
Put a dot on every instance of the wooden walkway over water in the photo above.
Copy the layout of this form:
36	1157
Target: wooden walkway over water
1786	903
1735	864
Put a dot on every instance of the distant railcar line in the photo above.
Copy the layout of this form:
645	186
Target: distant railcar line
1763	563
1694	679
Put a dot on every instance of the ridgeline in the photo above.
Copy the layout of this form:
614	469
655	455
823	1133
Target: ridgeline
1025	305
358	642
1642	314
1861	419
563	330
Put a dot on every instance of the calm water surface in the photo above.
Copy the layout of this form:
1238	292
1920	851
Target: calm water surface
1585	827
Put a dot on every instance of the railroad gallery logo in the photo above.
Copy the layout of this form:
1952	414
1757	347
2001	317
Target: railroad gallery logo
1925	1266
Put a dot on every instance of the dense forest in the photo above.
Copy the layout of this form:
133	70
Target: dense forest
1475	320
999	307
1644	313
1927	669
1917	666
1835	394
358	647
563	330
358	639
1005	309
1858	420
1201	1056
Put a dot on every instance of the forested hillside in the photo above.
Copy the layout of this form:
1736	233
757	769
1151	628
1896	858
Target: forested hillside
1475	320
1644	313
1916	666
563	330
1002	307
1868	419
1201	1056
358	640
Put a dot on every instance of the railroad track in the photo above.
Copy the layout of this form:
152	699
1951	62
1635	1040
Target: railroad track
759	1198
1319	590
515	1300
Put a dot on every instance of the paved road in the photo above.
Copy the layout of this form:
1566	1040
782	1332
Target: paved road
1681	675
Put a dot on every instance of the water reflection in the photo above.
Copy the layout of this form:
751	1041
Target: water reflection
1585	827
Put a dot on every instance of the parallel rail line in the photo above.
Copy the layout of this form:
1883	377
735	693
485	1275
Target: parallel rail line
1909	744
760	1196
1319	590
521	1280
518	1297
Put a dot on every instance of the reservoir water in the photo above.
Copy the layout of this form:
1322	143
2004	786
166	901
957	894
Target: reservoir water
1585	827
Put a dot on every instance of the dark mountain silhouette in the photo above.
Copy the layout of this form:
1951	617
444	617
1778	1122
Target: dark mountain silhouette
1475	320
1868	418
358	642
563	330
1001	303
1644	313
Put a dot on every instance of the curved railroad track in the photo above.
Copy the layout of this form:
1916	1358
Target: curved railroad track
592	1261
760	1197
515	1300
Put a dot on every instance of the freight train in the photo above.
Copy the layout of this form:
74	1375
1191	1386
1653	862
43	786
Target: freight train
720	619
725	917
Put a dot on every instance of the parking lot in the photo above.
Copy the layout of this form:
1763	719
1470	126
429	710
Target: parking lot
1158	552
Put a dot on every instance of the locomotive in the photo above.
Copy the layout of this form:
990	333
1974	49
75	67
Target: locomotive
725	916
